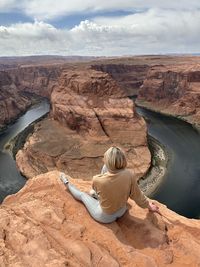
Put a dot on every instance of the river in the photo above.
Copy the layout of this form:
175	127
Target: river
10	178
180	189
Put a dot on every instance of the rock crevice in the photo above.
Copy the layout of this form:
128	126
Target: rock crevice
89	114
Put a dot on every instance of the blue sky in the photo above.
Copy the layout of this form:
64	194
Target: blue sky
72	20
99	28
7	19
69	21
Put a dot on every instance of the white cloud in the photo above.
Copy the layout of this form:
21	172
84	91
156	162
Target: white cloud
32	38
152	31
161	24
48	9
6	5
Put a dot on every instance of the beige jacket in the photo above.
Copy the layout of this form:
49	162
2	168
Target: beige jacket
114	189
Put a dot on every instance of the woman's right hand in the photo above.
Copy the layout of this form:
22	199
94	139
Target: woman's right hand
153	207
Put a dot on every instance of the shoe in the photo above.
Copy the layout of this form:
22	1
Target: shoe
64	179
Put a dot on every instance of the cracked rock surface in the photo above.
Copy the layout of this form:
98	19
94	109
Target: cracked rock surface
42	225
89	113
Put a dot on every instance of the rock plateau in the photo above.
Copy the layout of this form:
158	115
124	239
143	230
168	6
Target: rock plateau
42	225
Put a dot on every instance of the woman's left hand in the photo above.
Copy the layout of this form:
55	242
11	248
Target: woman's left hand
153	207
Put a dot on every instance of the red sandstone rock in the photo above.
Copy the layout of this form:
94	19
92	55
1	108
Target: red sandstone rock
40	75
128	76
43	225
14	82
173	90
12	103
36	79
93	114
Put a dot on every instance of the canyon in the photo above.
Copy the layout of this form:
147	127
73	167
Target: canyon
91	110
17	85
173	90
89	114
40	75
12	103
129	77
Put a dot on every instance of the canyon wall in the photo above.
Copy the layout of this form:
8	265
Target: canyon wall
130	72
40	75
129	77
43	225
173	90
89	113
38	80
12	103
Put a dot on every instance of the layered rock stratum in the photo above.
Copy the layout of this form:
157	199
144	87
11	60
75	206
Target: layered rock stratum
39	80
12	103
17	82
43	225
39	75
174	90
128	76
89	113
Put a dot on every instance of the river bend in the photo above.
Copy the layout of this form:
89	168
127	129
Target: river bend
11	180
180	189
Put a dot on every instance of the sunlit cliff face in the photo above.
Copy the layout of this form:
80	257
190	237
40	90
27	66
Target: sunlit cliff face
71	236
89	113
174	90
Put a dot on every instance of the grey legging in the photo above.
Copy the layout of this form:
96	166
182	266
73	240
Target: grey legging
94	207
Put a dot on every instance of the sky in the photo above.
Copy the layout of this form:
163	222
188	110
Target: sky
99	27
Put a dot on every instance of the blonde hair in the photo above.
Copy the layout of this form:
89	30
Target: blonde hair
115	159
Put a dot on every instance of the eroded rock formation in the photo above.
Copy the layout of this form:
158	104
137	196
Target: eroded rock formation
43	225
173	90
12	103
14	82
89	113
128	76
40	75
36	79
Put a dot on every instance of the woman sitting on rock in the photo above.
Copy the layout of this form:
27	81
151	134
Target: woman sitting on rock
112	188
